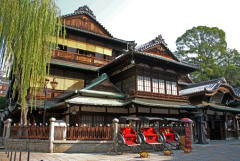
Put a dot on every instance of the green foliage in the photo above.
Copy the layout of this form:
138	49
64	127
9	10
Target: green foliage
207	47
26	28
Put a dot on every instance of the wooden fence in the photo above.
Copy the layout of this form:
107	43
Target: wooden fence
29	132
62	132
84	133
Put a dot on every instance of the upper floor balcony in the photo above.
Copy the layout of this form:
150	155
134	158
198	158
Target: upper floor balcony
79	58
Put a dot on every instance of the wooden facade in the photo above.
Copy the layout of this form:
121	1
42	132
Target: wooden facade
101	78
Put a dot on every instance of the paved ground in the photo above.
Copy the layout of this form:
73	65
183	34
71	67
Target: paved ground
215	151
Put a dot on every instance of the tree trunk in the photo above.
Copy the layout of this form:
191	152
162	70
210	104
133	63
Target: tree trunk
24	112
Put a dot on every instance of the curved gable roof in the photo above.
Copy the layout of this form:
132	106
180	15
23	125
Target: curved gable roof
147	47
210	87
84	10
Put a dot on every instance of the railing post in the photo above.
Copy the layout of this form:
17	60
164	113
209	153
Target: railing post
115	130
51	134
7	129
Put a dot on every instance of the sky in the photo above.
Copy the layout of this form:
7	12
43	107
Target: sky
143	20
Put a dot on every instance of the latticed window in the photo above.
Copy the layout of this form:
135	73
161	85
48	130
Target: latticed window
155	85
147	84
86	120
174	88
98	120
158	86
144	83
169	87
161	86
92	120
156	81
140	83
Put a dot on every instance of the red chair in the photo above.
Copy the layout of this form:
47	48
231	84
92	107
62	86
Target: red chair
169	134
129	136
151	135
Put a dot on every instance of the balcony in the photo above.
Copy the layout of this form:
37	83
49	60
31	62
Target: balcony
50	94
79	58
159	96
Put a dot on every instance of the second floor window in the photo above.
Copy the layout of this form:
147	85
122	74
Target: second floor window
156	85
144	83
171	88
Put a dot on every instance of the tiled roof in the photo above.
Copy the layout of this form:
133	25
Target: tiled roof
73	64
110	38
193	66
156	41
159	40
169	60
208	86
84	10
98	80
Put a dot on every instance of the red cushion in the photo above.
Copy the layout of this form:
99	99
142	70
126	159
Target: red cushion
150	134
129	135
128	131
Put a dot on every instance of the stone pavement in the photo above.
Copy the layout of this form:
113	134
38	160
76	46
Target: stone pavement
215	151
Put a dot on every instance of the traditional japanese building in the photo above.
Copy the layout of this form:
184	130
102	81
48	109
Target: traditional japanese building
217	109
95	77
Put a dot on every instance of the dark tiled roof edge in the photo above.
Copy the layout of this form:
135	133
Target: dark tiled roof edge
110	38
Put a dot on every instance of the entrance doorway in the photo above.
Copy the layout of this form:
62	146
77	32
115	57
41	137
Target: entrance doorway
215	129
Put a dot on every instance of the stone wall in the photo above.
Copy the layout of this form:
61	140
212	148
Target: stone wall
82	146
33	145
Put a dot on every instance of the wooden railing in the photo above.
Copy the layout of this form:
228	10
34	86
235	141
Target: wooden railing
29	132
85	133
159	96
50	94
75	57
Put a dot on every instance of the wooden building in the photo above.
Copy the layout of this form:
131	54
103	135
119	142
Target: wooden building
217	109
100	77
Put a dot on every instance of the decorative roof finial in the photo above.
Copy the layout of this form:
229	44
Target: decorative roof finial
159	38
85	8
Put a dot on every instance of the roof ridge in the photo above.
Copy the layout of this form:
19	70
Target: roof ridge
209	81
156	41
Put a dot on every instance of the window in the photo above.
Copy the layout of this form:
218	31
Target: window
161	86
147	84
158	86
155	85
140	83
152	80
171	87
174	88
86	120
92	120
168	86
144	83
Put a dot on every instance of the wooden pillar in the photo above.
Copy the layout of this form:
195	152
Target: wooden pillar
237	127
225	126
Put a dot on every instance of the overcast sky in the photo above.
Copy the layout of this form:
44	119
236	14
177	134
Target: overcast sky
143	20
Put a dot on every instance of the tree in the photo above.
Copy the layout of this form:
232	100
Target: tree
27	26
207	47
